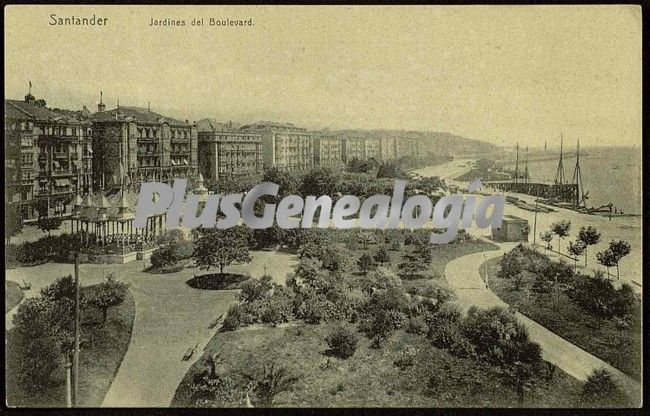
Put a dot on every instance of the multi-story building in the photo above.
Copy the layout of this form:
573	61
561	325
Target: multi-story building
147	146
373	149
285	146
48	156
228	152
328	152
387	148
353	148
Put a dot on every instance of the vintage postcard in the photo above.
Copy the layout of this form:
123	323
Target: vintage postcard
323	206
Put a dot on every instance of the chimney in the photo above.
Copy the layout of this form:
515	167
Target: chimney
29	98
101	106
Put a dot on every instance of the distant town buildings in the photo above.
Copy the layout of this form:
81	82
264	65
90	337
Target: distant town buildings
285	146
328	152
55	157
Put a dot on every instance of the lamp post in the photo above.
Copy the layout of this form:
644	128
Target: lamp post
68	388
77	328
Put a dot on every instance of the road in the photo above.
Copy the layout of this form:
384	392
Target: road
464	276
170	317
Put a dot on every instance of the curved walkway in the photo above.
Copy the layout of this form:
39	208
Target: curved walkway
170	317
464	276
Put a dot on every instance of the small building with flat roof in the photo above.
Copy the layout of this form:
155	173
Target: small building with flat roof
513	229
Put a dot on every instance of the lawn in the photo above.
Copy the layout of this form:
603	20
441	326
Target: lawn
13	295
99	360
369	377
620	346
442	254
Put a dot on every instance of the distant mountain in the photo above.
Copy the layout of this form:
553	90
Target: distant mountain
434	142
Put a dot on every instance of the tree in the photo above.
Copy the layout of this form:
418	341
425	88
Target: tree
320	181
576	249
287	183
107	294
366	263
47	224
546	237
561	229
219	248
588	236
37	348
607	258
381	255
619	250
13	221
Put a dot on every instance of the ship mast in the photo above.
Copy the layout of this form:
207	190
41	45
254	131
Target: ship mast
559	175
517	165
526	179
577	180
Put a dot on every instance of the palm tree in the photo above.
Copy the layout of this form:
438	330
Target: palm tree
269	382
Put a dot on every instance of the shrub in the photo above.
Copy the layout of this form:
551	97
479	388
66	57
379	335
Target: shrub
600	390
366	263
316	309
406	358
254	289
559	271
382	255
211	391
380	326
417	325
278	307
598	296
461	347
235	318
342	342
499	337
542	284
442	336
510	265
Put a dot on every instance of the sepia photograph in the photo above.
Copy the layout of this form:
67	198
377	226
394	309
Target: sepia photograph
265	206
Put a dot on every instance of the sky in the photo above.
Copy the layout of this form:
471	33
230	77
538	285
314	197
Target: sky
504	74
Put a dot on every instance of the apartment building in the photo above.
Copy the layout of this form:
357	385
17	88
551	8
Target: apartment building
285	146
147	145
226	151
48	156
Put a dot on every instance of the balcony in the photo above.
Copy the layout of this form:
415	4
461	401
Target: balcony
61	155
57	137
61	173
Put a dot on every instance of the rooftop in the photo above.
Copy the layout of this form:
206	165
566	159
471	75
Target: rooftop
137	114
